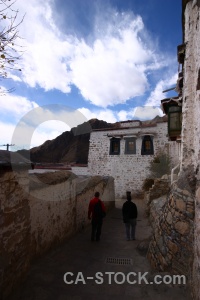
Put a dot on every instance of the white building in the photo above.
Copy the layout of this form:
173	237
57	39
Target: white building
124	152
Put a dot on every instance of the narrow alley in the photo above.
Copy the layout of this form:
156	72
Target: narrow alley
99	270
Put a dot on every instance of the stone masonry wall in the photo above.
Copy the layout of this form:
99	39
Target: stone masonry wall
128	170
159	188
190	152
171	245
176	241
38	213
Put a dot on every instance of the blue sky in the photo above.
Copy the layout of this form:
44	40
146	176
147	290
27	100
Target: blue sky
106	59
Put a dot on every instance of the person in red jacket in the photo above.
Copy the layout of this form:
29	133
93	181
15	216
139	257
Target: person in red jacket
96	212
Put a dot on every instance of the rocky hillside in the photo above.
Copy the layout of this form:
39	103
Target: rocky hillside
69	147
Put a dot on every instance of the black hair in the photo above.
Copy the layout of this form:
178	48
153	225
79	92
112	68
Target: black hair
97	194
128	196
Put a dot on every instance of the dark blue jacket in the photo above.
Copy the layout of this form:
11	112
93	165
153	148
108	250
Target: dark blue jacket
129	211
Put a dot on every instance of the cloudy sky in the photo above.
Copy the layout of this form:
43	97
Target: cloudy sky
105	59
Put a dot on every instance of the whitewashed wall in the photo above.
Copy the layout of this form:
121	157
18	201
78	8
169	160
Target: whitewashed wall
191	121
80	170
59	210
37	215
128	170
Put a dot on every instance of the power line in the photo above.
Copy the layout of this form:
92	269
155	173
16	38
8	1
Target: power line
7	146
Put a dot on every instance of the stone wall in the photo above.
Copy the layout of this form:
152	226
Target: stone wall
38	212
15	227
190	152
160	187
59	209
52	209
176	241
128	170
171	245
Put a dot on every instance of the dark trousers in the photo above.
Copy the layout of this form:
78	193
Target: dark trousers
96	229
130	229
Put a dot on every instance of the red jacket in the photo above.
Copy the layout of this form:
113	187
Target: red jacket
91	207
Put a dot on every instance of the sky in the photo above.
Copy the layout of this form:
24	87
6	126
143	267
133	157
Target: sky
84	59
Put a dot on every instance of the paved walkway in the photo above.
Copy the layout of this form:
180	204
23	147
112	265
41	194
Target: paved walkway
79	254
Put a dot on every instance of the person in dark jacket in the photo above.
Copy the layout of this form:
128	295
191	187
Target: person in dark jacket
129	213
96	212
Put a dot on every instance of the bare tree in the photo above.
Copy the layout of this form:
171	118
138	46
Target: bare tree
10	50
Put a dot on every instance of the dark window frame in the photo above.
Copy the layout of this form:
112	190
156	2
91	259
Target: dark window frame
112	146
174	113
147	139
127	150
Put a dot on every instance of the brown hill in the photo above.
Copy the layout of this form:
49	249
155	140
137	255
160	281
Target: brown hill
69	147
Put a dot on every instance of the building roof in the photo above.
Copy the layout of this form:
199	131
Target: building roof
143	124
165	103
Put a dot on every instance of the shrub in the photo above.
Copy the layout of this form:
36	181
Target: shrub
160	165
147	184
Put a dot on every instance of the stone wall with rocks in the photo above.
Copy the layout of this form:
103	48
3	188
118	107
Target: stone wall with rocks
171	244
190	151
176	241
160	187
39	211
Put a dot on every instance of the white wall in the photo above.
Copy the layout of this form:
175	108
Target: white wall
191	121
80	170
128	170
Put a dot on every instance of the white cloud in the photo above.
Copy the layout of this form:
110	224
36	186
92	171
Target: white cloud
45	122
146	112
111	69
46	50
157	94
47	131
100	114
122	115
27	137
33	131
7	130
15	106
111	116
27	125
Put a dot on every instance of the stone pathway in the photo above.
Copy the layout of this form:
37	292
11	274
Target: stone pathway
84	259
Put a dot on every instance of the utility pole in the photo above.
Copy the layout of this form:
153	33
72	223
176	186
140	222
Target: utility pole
7	146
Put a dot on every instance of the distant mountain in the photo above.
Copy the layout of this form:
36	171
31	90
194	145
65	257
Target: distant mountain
69	147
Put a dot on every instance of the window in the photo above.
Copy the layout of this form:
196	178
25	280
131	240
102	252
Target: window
130	145
114	146
175	118
174	122
147	145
